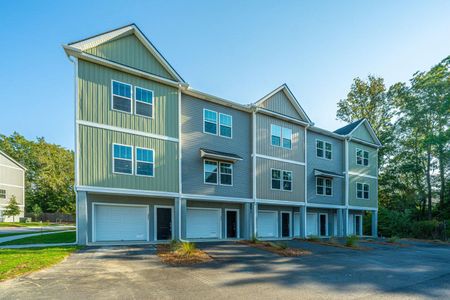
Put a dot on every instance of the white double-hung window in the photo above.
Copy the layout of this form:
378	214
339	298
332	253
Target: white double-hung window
122	159
218	172
145	165
281	136
281	180
210	121
324	149
226	125
121	96
144	102
362	157
362	190
324	186
217	123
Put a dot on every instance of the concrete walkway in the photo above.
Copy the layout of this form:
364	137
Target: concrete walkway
21	236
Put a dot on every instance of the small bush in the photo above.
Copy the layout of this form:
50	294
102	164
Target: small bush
254	240
313	238
175	245
393	239
426	229
187	248
281	246
352	241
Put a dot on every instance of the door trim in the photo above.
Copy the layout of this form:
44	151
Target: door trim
94	237
360	233
238	230
326	223
290	222
155	221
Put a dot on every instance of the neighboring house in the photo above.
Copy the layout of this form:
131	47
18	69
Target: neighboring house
158	160
12	182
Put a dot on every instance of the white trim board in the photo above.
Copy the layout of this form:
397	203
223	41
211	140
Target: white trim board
12	185
362	175
120	191
279	202
280	159
126	130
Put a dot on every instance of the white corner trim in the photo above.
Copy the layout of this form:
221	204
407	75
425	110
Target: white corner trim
280	159
362	175
125	130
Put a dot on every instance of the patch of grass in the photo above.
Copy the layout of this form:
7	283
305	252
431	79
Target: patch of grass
352	241
31	224
22	233
15	262
313	238
393	239
278	248
62	237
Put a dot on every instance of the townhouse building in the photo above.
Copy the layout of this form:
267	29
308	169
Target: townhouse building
157	160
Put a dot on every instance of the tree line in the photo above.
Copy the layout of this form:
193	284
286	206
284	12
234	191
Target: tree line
412	121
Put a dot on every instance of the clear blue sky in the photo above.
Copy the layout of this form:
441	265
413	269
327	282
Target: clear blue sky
238	50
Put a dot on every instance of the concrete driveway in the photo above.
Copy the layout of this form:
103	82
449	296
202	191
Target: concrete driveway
418	271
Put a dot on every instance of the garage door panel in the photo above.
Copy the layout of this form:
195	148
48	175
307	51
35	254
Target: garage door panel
203	223
311	227
267	224
120	223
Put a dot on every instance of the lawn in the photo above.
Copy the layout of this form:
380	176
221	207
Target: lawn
21	233
15	262
62	237
31	224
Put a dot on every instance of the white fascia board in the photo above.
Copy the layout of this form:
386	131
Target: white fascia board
279	202
326	132
214	99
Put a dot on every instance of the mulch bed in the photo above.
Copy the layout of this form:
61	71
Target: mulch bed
289	252
337	244
396	244
175	258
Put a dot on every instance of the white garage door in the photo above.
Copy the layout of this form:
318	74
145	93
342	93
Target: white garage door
296	224
311	227
351	225
203	223
120	223
267	224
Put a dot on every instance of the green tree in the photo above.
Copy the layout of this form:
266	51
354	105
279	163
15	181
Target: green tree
37	212
12	209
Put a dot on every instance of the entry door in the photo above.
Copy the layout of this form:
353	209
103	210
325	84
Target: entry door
232	224
285	224
323	224
358	227
163	223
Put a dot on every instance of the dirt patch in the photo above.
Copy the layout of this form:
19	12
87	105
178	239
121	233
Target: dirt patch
336	244
176	257
278	249
392	244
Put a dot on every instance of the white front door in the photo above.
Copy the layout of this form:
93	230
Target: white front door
311	228
267	224
203	223
120	222
296	224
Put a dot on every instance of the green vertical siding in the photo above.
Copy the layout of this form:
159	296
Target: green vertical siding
96	161
280	103
131	52
95	103
372	168
373	191
362	133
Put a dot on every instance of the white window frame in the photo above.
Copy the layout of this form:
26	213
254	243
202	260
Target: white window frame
217	122
132	159
136	162
368	190
324	149
136	100
112	97
362	157
282	180
220	173
281	136
204	172
220	124
324	186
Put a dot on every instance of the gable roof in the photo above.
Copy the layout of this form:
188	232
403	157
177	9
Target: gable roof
12	160
102	38
349	129
290	96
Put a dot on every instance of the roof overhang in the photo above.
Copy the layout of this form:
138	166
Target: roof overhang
329	174
212	154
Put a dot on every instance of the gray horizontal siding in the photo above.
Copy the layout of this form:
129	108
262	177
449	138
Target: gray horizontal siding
193	138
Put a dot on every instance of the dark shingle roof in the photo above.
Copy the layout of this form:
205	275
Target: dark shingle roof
220	153
348	128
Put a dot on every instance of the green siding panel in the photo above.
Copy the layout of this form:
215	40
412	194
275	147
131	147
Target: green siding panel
95	103
373	191
362	133
131	52
280	103
96	161
372	168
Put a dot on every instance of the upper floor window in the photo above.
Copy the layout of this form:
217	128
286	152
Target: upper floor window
324	149
324	186
218	172
2	194
281	136
123	159
226	125
144	162
362	190
281	180
212	121
144	102
121	96
362	157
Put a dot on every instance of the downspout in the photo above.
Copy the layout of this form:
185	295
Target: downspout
254	171
306	181
347	139
180	177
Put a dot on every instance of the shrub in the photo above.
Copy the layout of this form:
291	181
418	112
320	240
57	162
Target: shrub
313	238
187	248
393	239
352	241
426	229
175	245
